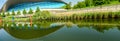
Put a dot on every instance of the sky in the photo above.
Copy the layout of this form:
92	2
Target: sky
2	3
72	1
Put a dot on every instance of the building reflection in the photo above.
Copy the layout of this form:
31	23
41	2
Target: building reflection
24	30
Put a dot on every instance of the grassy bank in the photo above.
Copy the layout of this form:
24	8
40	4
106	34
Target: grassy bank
90	15
45	15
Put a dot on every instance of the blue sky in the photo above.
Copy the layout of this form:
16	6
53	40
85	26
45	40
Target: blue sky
2	3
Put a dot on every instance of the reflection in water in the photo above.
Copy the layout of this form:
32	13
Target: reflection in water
82	30
30	33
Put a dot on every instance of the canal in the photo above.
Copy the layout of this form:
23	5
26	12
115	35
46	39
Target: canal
72	30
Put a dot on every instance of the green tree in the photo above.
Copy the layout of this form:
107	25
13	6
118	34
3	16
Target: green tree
107	1
18	13
3	14
42	15
119	0
30	11
37	9
8	13
68	6
24	11
98	2
88	3
13	12
79	5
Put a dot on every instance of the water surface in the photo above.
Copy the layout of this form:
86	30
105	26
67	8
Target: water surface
82	30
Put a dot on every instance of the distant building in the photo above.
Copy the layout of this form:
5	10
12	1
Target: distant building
16	3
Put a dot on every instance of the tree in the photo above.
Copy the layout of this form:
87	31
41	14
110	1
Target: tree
37	9
119	0
88	3
30	11
42	15
79	5
107	1
24	11
18	13
98	2
3	14
13	12
68	6
8	13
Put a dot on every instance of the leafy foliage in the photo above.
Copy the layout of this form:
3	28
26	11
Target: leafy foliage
88	3
67	6
79	5
42	14
37	9
24	11
13	12
18	13
30	11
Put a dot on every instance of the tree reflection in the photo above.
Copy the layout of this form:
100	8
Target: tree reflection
24	30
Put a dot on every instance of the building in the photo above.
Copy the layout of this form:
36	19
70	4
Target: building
10	5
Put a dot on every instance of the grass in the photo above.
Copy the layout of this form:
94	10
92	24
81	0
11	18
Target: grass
84	16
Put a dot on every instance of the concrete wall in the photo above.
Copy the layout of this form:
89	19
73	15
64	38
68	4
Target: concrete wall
14	2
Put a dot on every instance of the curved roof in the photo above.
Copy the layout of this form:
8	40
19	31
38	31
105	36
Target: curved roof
2	2
8	3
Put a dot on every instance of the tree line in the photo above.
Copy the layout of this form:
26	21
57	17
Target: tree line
89	3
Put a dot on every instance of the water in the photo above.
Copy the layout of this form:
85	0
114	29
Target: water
34	5
82	30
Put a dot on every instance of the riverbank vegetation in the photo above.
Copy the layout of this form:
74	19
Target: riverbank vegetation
92	3
77	16
46	15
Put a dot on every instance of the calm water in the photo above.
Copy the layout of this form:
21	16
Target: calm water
82	30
